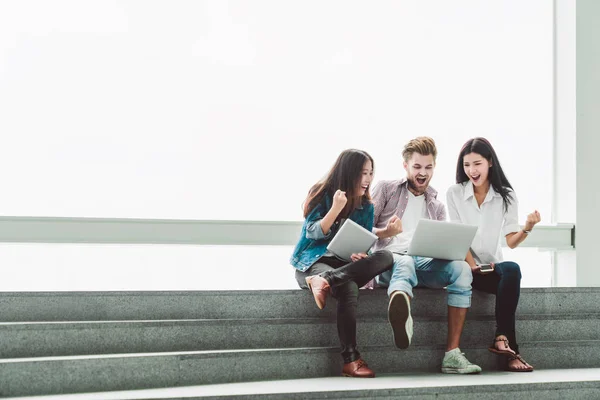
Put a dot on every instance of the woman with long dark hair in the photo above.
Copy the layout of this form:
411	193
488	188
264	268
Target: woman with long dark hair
483	196
342	194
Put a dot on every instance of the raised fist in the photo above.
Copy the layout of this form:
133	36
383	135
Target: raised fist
339	200
532	219
394	226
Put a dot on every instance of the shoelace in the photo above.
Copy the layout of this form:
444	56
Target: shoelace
466	359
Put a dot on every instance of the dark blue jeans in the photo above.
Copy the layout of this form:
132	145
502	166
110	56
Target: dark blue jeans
505	283
345	279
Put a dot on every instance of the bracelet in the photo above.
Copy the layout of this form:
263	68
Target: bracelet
527	231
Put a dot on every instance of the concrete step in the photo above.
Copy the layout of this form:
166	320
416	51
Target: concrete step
77	374
19	340
107	306
560	384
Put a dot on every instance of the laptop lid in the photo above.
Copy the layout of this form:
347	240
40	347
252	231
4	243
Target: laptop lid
351	238
443	240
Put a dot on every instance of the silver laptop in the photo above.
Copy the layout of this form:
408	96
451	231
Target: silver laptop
351	238
443	240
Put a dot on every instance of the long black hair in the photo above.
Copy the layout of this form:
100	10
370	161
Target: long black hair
345	175
496	176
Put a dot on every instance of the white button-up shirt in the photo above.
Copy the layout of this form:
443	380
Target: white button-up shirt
493	222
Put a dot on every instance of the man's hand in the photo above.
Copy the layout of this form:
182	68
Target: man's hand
394	226
358	256
532	219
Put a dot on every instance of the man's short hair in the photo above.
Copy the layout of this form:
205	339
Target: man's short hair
423	145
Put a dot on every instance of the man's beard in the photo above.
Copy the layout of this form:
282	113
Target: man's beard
415	189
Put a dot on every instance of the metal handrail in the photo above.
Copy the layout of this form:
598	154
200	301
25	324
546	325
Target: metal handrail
200	232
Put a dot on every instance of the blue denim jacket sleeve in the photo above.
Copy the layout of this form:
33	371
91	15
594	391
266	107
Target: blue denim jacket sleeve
313	243
313	223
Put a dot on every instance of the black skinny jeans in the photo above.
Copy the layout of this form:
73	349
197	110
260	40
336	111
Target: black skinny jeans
345	280
505	283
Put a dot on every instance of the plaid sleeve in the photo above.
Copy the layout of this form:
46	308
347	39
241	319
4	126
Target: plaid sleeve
379	200
441	212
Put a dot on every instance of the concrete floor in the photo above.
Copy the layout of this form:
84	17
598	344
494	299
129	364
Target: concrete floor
418	380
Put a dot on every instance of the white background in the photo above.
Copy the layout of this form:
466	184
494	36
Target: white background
105	267
232	110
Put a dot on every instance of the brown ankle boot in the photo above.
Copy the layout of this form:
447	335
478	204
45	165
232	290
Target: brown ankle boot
320	289
358	369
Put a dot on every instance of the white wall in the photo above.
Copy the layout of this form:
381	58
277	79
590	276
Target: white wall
588	142
106	267
200	109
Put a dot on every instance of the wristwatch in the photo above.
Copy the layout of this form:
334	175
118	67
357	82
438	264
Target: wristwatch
527	231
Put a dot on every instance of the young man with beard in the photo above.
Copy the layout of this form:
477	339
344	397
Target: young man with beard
399	204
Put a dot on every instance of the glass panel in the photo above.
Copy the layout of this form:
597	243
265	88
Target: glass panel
200	109
536	265
91	267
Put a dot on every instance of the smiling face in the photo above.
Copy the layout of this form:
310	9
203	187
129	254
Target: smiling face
365	179
419	171
477	169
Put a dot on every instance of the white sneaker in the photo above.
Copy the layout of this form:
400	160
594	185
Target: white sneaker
400	319
456	363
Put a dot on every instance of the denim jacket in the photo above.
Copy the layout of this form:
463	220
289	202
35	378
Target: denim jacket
313	242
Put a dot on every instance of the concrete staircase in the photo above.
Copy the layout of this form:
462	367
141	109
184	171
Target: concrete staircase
67	342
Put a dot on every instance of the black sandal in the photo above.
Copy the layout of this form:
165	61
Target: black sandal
506	353
518	357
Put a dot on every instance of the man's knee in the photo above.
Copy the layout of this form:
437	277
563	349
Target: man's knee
403	262
460	273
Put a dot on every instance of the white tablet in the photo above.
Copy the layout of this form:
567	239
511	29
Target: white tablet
351	238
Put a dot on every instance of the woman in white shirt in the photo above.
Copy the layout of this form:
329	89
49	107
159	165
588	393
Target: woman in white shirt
483	196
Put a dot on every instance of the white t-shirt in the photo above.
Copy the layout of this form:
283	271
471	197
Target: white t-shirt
415	210
493	222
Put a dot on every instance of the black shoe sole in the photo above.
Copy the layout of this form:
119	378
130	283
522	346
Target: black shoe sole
398	314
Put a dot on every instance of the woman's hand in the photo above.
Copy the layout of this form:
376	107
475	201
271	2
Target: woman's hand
532	219
477	269
358	256
339	200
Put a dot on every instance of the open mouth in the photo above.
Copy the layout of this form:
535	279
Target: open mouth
421	180
476	178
